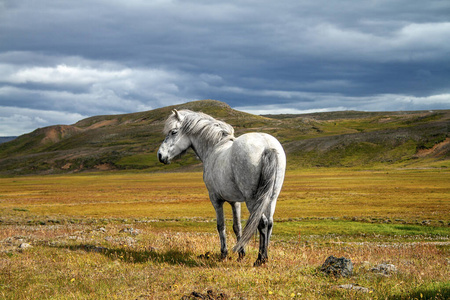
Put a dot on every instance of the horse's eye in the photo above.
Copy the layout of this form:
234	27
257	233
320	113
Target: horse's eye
173	132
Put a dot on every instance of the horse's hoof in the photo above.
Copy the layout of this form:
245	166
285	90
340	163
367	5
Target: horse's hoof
259	262
223	256
241	257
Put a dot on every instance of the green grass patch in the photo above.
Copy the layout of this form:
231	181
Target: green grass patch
357	230
138	160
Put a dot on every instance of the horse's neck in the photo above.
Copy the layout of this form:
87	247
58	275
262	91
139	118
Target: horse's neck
204	149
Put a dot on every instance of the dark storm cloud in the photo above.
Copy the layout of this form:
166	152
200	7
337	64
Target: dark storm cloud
64	60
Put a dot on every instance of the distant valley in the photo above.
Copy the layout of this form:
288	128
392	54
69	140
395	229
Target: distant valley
4	139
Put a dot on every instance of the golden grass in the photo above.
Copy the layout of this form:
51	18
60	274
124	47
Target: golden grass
410	194
166	265
75	223
402	194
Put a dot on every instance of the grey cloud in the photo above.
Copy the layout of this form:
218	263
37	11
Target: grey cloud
98	57
16	121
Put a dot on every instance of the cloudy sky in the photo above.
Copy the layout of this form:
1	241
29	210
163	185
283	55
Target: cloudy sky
62	61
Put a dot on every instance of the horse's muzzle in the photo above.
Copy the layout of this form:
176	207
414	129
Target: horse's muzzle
162	159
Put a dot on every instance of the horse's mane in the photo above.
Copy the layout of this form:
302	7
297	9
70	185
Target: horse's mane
200	125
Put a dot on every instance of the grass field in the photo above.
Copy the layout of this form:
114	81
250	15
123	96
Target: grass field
153	236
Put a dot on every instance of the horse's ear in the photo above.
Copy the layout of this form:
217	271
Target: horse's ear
177	115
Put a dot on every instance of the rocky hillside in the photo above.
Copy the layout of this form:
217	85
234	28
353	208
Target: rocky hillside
339	139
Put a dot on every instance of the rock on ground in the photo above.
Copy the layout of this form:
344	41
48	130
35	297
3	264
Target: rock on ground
210	295
337	266
131	231
24	246
355	287
384	269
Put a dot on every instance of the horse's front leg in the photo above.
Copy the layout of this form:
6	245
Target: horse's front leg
218	206
237	227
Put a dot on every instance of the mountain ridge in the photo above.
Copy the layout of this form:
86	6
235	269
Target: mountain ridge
333	139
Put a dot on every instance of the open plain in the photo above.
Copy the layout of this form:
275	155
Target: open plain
136	235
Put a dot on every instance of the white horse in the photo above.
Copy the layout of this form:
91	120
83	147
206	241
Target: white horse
247	169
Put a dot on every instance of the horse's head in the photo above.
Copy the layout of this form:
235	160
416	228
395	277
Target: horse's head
176	142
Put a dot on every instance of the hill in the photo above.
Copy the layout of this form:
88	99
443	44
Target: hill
130	141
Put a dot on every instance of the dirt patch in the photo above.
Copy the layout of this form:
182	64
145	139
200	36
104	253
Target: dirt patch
103	124
384	120
56	133
104	167
436	150
66	166
210	295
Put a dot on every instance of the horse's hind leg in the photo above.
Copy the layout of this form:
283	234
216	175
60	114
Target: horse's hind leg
237	228
265	230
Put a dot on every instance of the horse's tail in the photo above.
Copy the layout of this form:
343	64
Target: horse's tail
263	196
